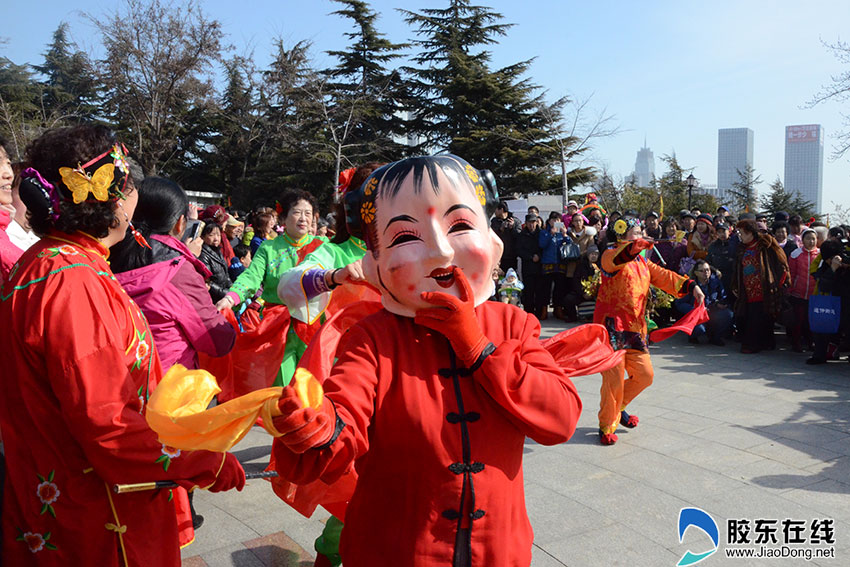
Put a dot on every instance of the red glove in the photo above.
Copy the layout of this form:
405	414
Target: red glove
303	428
640	245
231	475
454	317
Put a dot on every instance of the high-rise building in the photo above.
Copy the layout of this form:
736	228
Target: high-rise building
644	166
804	162
734	153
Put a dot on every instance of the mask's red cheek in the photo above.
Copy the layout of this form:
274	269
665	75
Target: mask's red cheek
431	211
411	287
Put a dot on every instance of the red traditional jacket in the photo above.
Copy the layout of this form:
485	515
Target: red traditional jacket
77	368
438	449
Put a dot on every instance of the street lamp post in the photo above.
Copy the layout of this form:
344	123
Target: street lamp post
692	182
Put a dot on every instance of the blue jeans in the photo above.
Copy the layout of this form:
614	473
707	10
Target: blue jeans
719	319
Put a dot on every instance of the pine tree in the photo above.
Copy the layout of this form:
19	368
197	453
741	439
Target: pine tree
780	199
361	95
70	87
20	107
490	118
744	192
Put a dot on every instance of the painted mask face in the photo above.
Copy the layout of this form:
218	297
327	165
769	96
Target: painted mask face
425	228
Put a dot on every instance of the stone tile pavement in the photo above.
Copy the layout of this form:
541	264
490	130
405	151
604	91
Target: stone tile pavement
756	437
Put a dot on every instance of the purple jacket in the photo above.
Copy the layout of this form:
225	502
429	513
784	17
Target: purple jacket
173	296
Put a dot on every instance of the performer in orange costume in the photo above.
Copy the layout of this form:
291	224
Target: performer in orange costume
620	306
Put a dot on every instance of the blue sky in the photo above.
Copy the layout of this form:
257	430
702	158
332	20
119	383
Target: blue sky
674	72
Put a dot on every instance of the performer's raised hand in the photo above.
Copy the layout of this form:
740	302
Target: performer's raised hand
303	428
454	317
640	245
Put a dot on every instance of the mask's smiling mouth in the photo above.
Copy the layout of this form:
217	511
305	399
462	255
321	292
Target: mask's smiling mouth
443	276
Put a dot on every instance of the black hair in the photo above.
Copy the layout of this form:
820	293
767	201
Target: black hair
829	249
5	145
290	198
502	206
836	232
780	224
67	147
555	215
161	204
240	251
208	228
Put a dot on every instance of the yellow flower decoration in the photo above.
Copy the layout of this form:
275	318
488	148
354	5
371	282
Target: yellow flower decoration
479	192
470	171
367	213
373	183
620	227
81	184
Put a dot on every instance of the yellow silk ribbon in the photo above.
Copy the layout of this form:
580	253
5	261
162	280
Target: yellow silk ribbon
177	410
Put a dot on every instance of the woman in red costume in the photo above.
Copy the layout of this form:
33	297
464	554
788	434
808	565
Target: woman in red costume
79	364
432	397
621	306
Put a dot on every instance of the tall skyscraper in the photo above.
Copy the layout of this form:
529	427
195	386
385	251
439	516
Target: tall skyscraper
734	153
644	166
804	162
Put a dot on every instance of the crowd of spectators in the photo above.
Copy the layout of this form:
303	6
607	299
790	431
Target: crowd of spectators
758	271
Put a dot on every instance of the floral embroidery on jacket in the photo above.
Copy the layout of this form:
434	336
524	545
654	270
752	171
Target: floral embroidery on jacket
168	453
64	249
143	349
35	541
47	493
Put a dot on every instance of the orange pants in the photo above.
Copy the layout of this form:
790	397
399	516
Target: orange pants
616	393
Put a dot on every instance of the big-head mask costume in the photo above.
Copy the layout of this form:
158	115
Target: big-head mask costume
420	217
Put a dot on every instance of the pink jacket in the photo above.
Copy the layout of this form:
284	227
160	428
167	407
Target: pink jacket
9	253
802	282
173	296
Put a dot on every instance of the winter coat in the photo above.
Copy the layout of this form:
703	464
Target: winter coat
508	235
713	290
722	258
773	273
800	264
220	281
671	250
528	244
551	245
173	296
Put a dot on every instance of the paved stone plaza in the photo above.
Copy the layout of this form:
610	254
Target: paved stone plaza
755	437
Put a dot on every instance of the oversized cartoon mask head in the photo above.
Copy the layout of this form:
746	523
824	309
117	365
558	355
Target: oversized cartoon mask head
419	217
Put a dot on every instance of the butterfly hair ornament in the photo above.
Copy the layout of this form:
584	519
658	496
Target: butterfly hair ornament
104	178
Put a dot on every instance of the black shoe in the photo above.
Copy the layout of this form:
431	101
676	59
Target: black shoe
197	521
693	339
717	342
814	360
